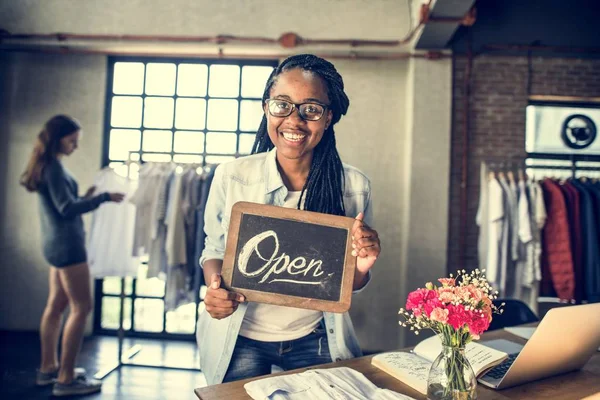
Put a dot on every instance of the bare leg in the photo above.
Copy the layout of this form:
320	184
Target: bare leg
76	283
50	324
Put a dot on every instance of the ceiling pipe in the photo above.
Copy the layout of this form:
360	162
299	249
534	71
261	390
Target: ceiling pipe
286	40
558	49
222	55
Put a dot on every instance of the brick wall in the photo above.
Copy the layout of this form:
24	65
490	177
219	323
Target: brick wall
497	122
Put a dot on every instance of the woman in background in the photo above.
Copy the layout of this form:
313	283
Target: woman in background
63	239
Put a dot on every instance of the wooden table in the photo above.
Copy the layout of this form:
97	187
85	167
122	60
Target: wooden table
574	385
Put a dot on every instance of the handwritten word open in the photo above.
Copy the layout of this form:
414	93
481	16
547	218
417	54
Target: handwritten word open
277	264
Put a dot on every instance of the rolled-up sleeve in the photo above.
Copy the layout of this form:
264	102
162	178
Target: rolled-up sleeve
214	244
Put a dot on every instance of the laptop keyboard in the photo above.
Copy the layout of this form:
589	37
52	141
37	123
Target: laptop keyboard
500	370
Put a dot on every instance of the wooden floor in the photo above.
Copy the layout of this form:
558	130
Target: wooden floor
19	357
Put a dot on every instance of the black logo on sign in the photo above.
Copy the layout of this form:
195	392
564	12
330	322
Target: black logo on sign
578	131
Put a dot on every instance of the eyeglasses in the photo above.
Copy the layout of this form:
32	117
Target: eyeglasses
307	111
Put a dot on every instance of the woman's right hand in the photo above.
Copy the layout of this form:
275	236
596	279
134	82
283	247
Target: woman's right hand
221	303
117	197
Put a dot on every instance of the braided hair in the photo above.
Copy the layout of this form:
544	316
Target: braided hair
324	187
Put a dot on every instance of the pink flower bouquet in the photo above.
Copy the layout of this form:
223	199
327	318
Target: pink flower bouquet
459	312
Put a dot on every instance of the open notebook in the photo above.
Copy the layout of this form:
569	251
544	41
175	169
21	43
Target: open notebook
412	368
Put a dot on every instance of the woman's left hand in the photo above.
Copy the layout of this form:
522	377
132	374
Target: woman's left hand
366	247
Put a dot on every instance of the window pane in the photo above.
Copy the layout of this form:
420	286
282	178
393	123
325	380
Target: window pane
160	79
158	112
187	159
112	285
189	142
192	80
218	159
190	114
251	114
126	112
128	78
111	306
157	141
156	157
182	320
222	115
254	79
149	315
224	81
221	142
246	143
121	142
150	287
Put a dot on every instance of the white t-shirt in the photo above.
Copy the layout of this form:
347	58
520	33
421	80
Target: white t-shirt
110	238
271	323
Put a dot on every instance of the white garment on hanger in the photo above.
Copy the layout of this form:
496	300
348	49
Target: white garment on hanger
110	238
525	242
496	227
482	219
175	244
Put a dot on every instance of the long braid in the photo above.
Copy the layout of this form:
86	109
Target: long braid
324	187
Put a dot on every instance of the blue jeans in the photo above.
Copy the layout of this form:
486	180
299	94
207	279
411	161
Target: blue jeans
254	358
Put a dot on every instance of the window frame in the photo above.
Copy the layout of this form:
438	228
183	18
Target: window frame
112	60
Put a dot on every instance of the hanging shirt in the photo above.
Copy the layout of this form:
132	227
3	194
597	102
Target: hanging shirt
320	384
112	230
557	270
496	227
524	241
482	218
272	323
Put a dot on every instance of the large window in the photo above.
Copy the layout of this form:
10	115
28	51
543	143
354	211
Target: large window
185	111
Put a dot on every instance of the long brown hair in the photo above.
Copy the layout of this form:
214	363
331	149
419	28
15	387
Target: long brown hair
47	148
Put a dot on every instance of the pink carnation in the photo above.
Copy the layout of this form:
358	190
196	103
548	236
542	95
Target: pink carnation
419	298
478	324
446	295
431	305
447	281
439	315
476	294
457	316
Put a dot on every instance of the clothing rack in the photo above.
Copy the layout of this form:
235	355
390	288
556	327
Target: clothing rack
123	358
572	163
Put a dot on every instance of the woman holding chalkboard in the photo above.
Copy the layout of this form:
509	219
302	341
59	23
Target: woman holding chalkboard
294	164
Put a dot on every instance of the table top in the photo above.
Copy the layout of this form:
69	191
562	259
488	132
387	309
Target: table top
573	385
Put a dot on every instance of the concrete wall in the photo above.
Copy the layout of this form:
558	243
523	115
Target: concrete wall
389	132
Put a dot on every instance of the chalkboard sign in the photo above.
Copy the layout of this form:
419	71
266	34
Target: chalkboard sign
289	257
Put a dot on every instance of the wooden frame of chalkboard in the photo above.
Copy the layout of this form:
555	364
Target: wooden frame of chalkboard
290	257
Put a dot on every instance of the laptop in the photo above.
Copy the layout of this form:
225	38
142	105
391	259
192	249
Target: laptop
564	341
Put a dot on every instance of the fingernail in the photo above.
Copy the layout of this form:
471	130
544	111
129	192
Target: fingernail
353	246
354	253
215	285
352	237
241	298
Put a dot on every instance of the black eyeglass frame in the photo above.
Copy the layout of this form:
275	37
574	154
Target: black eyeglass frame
296	106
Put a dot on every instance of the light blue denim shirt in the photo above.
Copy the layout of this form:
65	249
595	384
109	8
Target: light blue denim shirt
256	179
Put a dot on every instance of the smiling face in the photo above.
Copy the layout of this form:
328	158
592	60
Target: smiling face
69	143
295	138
